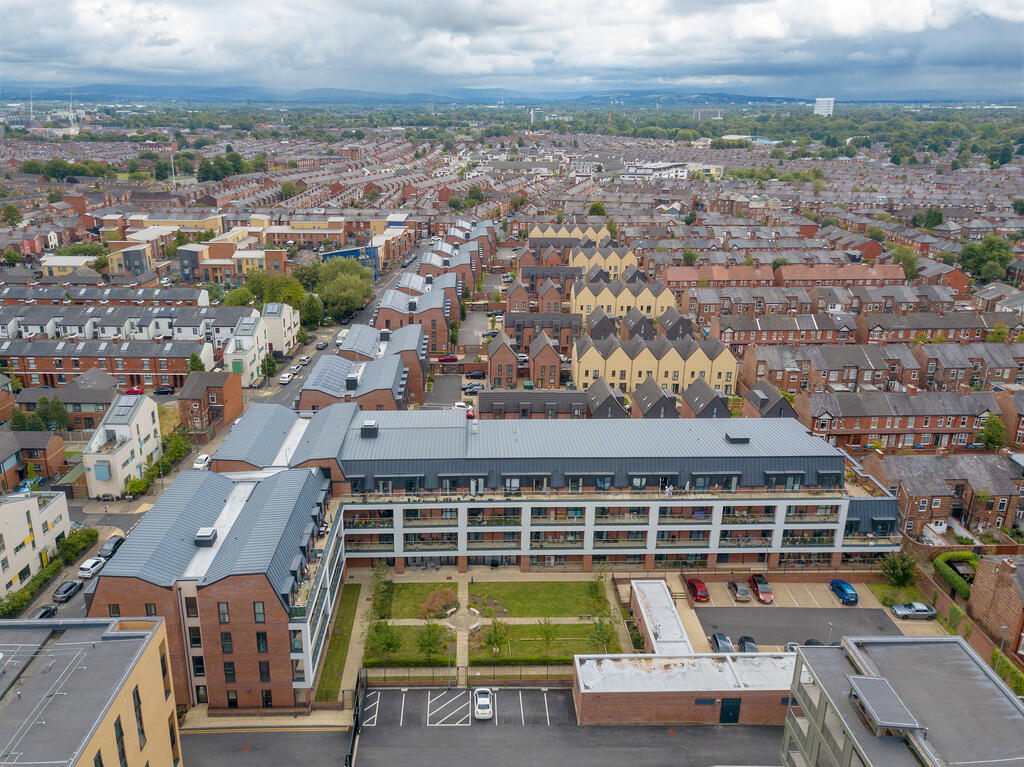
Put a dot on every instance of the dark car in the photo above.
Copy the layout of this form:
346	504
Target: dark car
472	388
721	643
746	644
321	345
698	590
110	546
41	613
163	390
476	374
66	590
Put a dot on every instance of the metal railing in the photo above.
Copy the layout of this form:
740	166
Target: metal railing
497	521
619	543
683	543
369	546
430	522
704	519
872	540
620	519
743	543
546	544
748	519
493	544
546	520
796	541
369	523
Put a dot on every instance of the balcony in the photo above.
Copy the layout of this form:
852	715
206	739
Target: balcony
553	543
619	543
873	540
362	522
726	542
620	519
683	543
702	518
556	518
824	519
450	521
369	546
493	544
432	544
748	519
477	521
798	541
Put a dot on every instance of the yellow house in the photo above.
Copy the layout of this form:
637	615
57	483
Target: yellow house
197	223
612	260
57	266
116	701
571	231
672	364
617	298
246	261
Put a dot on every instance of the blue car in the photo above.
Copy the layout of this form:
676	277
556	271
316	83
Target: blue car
846	593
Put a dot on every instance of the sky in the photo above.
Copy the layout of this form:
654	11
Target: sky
855	49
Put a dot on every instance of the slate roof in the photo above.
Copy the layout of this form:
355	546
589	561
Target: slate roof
258	435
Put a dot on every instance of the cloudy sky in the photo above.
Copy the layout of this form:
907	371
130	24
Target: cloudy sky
860	49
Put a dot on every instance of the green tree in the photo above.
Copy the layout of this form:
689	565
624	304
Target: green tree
195	363
35	423
205	171
690	218
311	311
496	635
474	196
993	433
161	170
991	271
899	568
908	258
453	335
596	209
269	365
288	189
430	640
382	639
611	227
11	256
875	233
1018	207
780	261
10	214
32	167
101	262
239	296
54	195
602	634
689	257
308	275
214	291
998	334
547	632
19	421
929	219
53	412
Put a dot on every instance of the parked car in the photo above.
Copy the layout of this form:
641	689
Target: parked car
41	613
476	375
135	390
739	591
490	333
846	593
472	388
523	358
698	590
110	547
321	345
295	368
202	462
66	590
813	643
449	358
746	644
163	390
108	497
90	567
721	643
791	646
483	703
918	611
285	378
305	359
759	585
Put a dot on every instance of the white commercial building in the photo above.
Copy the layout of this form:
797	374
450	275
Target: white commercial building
824	107
31	526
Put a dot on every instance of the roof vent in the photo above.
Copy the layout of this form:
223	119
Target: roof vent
385	335
206	536
351	382
430	279
412	304
734	439
368	430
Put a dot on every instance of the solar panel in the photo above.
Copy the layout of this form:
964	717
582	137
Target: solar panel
881	702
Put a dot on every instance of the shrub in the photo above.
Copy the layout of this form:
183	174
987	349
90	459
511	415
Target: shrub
945	572
381	604
968	628
1008	672
14	603
438	603
956	614
75	543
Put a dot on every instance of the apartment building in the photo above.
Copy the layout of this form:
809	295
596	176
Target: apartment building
209	401
880	702
979	365
959	327
245	351
282	324
31	526
617	298
434	486
741	331
125	442
89	692
433	311
13	295
612	260
561	327
379	384
245	575
855	367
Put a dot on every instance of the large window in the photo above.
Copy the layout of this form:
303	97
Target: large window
261	642
226	645
222	612
137	704
258	614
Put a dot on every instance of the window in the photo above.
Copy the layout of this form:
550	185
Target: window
137	704
195	637
222	612
923	506
268	699
232	699
264	671
114	610
229	671
191	607
122	755
226	646
198	665
97	761
150	609
261	642
257	609
936	502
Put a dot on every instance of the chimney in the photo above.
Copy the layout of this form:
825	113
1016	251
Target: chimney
430	279
911	389
1011	566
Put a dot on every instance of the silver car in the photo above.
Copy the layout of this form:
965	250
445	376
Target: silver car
913	611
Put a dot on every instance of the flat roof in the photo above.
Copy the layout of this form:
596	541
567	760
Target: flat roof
58	679
968	714
661	617
706	672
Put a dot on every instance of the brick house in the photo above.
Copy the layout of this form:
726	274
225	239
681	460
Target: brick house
517	298
208	402
86	397
850	367
6	398
502	362
375	385
649	400
549	297
762	400
545	363
431	310
997	601
561	327
42	449
741	331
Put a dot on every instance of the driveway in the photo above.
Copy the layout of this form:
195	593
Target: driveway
447	391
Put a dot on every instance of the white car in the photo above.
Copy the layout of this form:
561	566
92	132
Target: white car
286	378
202	462
295	368
305	359
90	567
483	703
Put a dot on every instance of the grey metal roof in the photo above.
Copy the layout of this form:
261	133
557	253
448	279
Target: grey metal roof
163	542
330	375
258	435
323	438
123	410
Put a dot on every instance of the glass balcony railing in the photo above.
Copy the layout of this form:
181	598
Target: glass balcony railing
354	523
497	521
726	542
748	519
619	543
557	519
683	543
493	544
795	541
628	494
684	519
430	521
431	545
552	543
825	519
893	539
620	519
369	546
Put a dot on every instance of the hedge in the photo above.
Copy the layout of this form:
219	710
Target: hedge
14	603
76	542
962	587
1009	673
956	614
524	660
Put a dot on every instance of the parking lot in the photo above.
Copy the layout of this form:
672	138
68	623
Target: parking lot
793	595
435	728
773	627
447	391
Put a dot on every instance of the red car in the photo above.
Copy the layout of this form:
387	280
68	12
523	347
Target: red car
134	390
449	358
763	592
698	590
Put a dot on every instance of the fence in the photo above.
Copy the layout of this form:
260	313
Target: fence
429	676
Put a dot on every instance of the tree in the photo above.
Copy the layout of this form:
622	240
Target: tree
205	171
611	227
596	209
689	257
974	255
382	639
10	214
474	196
11	256
993	433
496	635
35	423
269	365
161	170
691	217
991	271
453	335
311	311
929	219
998	334
288	189
54	195
547	632
308	275
602	634
780	261
101	262
239	296
899	568
19	421
214	291
875	233
53	412
908	258
429	640
1018	207
195	363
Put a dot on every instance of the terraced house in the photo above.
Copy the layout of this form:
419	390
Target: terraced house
613	260
617	298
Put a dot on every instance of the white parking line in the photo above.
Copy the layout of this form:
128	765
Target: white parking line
811	595
522	715
401	713
371	704
494	707
547	716
448	709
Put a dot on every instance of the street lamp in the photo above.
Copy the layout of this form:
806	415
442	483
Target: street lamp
830	632
1002	638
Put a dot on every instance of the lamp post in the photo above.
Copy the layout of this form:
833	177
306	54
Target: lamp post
830	632
1002	638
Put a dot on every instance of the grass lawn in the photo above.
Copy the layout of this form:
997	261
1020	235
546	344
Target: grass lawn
885	594
334	660
169	416
409	596
555	599
526	645
408	654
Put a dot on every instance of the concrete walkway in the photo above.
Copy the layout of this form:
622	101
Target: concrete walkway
198	719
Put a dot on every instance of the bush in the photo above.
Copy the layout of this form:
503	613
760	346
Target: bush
635	638
381	604
14	603
75	543
956	614
962	587
1008	672
438	603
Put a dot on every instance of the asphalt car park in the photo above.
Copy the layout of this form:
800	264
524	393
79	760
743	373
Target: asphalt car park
774	627
447	391
792	595
435	728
